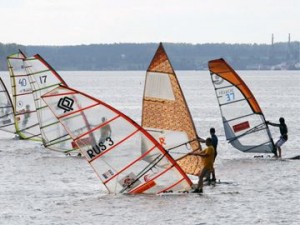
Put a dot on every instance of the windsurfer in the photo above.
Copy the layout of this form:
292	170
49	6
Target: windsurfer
214	139
208	155
26	115
105	131
284	134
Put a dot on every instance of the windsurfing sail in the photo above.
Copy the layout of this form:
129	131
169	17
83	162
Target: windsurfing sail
26	120
244	122
111	142
43	78
7	120
166	116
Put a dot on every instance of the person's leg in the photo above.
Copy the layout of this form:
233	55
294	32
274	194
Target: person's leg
279	144
276	148
213	175
200	183
199	188
279	152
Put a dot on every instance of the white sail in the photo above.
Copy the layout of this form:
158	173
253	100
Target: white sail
244	123
43	78
7	120
26	120
111	142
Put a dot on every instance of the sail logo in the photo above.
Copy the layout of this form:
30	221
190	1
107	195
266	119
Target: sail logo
66	104
217	80
162	141
108	174
130	181
99	148
241	126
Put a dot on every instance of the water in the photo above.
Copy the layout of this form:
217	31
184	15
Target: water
38	186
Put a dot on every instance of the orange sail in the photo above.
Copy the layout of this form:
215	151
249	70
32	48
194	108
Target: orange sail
166	115
244	123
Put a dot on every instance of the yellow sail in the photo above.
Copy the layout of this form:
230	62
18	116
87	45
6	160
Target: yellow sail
166	115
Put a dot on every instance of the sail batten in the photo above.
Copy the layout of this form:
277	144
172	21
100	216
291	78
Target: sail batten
244	123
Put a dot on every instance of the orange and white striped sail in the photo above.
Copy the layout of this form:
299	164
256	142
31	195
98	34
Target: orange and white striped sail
166	116
244	122
7	120
111	143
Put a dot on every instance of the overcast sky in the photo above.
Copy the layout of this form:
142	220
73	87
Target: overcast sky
74	22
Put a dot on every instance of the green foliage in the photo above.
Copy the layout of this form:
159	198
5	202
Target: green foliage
138	56
6	50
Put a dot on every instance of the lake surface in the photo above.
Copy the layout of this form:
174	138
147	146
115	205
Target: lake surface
38	186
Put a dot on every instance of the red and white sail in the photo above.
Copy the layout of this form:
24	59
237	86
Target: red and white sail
111	143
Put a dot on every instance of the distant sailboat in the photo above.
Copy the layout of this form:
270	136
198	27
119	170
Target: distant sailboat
7	120
111	142
244	122
166	116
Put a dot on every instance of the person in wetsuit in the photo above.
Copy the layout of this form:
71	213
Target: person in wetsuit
283	134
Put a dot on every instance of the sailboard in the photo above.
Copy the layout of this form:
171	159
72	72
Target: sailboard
166	116
26	119
7	120
111	142
244	122
43	78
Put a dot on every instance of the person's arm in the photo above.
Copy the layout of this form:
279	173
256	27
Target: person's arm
201	153
272	124
200	139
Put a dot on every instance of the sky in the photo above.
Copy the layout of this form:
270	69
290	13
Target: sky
76	22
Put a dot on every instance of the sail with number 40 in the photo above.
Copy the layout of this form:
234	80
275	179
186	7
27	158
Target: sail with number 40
166	116
26	119
7	120
111	142
43	78
244	122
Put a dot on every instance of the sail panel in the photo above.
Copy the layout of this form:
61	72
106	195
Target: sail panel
43	78
27	126
7	122
111	143
166	116
244	123
159	86
224	72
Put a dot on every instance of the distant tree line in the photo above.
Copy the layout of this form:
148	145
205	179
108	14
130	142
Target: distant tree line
138	56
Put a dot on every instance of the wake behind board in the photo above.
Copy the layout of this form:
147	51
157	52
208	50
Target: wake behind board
212	183
295	157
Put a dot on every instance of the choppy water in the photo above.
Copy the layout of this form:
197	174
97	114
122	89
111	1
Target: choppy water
38	186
